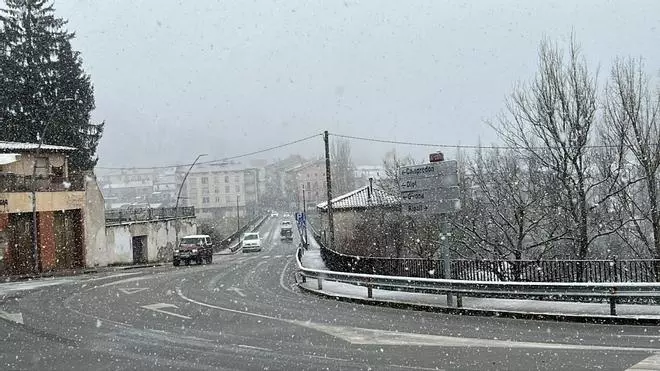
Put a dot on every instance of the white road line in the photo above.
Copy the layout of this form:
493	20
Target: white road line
134	279
277	256
12	317
111	276
158	307
266	257
649	363
255	348
356	335
328	358
282	285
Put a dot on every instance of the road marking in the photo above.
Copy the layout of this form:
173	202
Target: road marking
282	285
290	256
128	280
133	290
158	307
277	256
12	317
356	335
328	358
253	347
111	276
363	336
237	290
266	256
31	285
649	363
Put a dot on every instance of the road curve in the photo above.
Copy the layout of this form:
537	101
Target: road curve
244	312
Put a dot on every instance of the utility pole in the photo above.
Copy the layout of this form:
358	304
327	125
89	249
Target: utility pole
238	215
328	184
304	218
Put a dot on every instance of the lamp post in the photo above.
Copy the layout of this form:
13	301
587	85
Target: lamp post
178	196
33	186
304	217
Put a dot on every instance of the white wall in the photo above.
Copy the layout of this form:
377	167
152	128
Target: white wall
161	239
96	246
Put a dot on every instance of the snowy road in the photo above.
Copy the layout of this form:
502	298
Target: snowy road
245	312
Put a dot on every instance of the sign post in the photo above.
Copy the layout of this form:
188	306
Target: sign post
432	189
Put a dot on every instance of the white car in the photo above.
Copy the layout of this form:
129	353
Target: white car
251	242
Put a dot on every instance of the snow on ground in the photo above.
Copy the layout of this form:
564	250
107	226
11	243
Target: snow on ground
312	257
514	305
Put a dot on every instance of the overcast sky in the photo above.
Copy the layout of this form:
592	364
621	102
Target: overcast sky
177	78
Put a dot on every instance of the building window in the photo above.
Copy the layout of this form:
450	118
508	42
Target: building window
205	200
217	200
226	178
205	180
226	189
217	189
42	166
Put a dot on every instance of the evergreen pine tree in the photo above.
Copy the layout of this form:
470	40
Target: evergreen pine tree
45	91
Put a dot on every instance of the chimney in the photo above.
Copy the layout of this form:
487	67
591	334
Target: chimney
371	188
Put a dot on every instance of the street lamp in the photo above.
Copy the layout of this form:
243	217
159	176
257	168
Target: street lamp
178	197
33	181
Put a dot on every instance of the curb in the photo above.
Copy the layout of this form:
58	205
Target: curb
593	319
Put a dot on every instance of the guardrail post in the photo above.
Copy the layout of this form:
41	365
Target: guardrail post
319	280
459	301
613	301
370	292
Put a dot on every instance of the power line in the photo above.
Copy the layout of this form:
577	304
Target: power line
459	146
224	159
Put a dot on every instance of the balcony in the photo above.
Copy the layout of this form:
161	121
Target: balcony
23	183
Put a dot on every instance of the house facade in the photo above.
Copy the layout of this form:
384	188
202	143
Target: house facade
57	215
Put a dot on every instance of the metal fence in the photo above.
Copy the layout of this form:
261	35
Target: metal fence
612	292
633	270
147	214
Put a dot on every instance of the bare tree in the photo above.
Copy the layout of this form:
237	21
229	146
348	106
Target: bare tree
506	216
553	119
343	169
632	114
391	164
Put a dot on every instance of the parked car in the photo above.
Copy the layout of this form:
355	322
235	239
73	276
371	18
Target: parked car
197	248
251	242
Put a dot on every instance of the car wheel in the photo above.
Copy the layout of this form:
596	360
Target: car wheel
187	261
209	260
199	260
176	263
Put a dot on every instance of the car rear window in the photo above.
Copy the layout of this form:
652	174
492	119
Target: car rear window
251	237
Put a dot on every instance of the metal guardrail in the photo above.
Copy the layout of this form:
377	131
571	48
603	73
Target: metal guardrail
612	292
146	214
